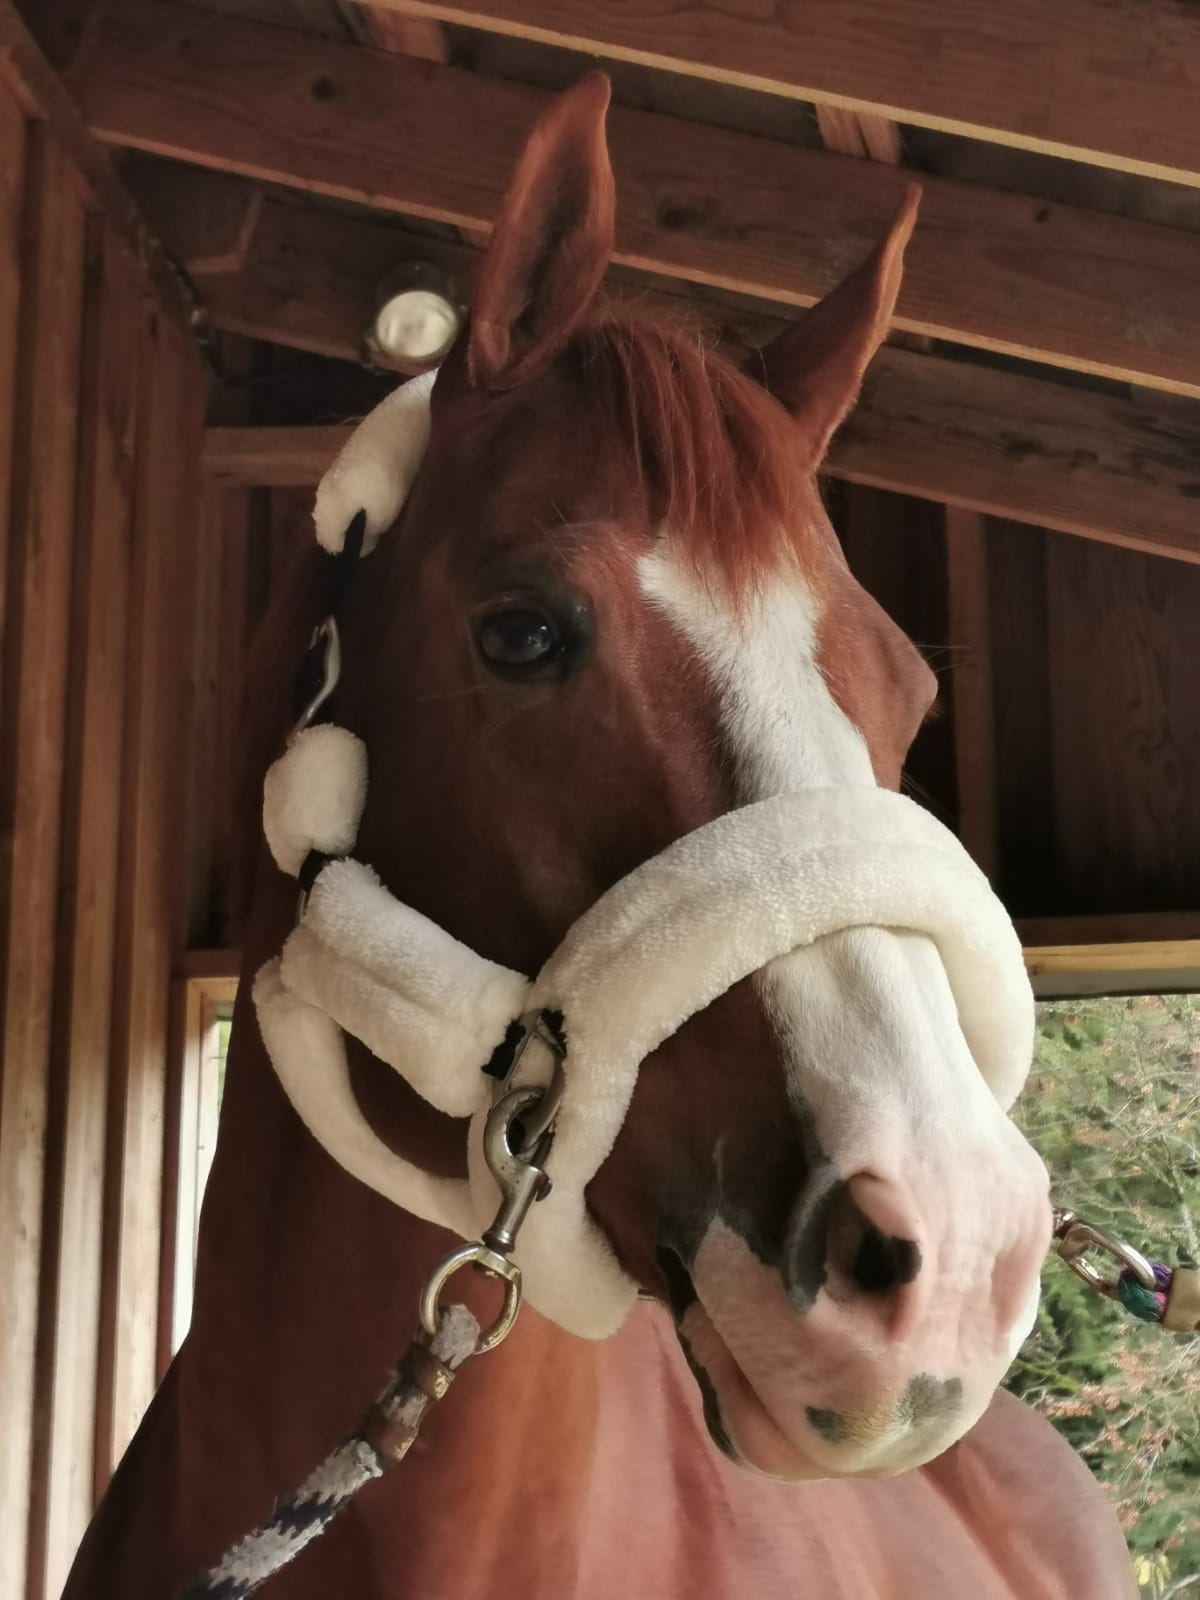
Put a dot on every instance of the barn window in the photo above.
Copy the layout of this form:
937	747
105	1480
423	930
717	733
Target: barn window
205	1017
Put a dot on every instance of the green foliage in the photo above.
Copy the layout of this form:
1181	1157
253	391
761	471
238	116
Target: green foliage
1113	1106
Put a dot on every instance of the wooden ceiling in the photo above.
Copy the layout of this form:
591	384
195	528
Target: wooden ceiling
1052	284
1043	374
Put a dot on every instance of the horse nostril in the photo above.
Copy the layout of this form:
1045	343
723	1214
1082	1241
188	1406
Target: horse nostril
883	1263
831	1231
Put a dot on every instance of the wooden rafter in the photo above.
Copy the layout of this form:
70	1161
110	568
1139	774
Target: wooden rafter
714	207
1116	85
1107	469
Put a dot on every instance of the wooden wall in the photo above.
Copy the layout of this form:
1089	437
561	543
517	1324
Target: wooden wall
101	410
1066	748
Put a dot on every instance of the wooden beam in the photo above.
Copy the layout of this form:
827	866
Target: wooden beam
25	73
1142	927
855	133
1119	471
151	867
1001	271
215	970
275	458
1117	85
1151	956
33	723
88	905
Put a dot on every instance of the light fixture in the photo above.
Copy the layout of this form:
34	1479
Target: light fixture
416	320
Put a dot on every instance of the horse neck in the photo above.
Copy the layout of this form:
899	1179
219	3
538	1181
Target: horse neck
306	1295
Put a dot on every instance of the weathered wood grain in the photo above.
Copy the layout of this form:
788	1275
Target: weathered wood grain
27	76
12	224
87	913
1119	471
1113	84
1019	626
1124	643
985	268
151	869
32	731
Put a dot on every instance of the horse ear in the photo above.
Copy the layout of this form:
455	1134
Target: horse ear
551	242
815	367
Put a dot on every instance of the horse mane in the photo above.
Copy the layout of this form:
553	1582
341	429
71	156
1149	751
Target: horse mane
715	454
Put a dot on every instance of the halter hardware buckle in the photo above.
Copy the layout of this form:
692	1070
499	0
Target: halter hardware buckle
326	643
517	1137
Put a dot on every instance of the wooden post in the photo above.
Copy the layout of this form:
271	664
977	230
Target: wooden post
974	702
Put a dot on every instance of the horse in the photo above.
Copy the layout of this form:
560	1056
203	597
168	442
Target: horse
610	616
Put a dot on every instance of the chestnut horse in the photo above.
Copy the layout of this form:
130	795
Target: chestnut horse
612	610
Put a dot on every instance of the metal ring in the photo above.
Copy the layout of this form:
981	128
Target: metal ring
492	1265
1080	1237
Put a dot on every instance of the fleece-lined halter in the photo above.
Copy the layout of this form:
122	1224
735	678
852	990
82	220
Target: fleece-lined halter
714	907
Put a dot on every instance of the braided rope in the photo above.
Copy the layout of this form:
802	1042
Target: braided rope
382	1439
1148	1305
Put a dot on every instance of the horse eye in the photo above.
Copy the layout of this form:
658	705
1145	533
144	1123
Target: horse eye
518	639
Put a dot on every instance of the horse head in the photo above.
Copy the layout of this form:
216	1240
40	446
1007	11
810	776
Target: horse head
610	611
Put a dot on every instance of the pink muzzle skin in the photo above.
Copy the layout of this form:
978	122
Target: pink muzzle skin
900	1299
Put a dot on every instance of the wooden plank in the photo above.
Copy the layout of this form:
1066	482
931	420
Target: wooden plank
1117	85
1019	629
1001	271
1101	466
973	687
26	74
308	279
203	820
151	864
1124	642
217	969
1119	471
859	133
87	924
1162	955
272	457
12	222
1138	928
32	728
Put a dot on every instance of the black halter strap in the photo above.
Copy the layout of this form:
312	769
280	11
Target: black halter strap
314	672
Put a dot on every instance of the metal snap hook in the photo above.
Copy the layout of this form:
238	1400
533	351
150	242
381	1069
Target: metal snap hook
1076	1237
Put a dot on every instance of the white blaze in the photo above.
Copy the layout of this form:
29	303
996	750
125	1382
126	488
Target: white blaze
875	1053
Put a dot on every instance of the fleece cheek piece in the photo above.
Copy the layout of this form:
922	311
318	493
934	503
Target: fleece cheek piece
314	795
376	467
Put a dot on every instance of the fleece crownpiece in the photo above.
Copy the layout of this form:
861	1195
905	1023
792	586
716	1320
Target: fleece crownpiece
716	906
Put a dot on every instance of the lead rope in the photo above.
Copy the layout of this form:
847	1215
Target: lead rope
449	1336
382	1440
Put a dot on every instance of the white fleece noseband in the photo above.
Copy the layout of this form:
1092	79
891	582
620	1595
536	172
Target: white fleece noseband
714	907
